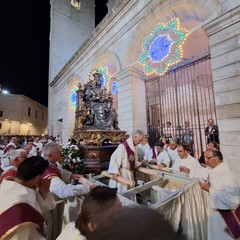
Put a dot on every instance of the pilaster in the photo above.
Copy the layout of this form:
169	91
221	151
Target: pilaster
224	41
131	100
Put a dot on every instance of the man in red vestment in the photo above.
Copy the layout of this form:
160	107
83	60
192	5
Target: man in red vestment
24	201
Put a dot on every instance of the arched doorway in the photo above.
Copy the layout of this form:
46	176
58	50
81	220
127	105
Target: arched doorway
185	91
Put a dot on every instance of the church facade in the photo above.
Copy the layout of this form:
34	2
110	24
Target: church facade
121	45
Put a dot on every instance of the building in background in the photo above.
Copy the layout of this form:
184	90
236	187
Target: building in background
135	31
72	22
20	115
70	27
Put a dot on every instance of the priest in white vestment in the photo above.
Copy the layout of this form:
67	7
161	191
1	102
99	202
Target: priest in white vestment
223	186
9	148
159	156
62	188
185	159
23	205
124	161
172	151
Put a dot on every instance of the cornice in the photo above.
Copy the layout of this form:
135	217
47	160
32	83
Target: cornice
223	21
111	19
97	31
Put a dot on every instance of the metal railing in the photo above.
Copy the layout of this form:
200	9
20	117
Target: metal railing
184	93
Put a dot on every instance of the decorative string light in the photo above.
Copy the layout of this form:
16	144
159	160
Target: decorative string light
114	88
76	4
105	77
163	47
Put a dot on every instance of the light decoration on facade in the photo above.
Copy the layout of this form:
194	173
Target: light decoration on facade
163	47
73	97
105	76
114	88
76	4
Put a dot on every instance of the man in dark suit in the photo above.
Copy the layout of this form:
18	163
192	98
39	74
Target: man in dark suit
211	132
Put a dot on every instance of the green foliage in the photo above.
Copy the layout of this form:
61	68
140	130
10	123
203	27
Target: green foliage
72	160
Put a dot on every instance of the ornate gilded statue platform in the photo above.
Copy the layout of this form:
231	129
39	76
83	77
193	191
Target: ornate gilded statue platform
96	123
99	137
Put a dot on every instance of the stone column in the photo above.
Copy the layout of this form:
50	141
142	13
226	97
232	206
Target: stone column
224	41
131	100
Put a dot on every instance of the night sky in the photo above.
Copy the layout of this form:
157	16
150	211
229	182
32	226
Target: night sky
24	48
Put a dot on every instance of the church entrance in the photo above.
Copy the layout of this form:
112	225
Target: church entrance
184	94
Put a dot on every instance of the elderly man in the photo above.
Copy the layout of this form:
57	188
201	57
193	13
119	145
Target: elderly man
24	201
124	160
223	186
16	158
210	145
60	178
62	188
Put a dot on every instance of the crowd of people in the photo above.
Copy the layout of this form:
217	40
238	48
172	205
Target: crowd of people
33	184
184	134
36	194
214	174
32	176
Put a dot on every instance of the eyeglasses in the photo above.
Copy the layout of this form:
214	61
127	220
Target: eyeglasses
209	157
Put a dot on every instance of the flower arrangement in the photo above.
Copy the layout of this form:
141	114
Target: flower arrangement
71	159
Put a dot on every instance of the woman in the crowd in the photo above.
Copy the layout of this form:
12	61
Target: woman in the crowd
165	141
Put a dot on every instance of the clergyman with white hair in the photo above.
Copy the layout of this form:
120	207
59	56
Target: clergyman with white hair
124	160
16	157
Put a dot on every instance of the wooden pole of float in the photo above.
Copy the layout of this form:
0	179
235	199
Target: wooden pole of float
120	179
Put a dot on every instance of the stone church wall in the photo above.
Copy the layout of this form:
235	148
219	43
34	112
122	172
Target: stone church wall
119	35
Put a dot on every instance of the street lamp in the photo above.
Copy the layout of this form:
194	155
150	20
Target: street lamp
4	91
